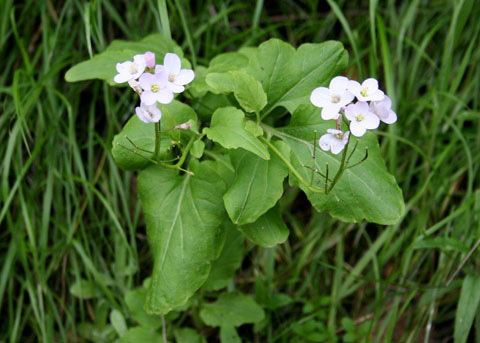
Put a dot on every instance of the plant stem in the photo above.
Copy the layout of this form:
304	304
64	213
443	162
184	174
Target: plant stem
341	169
291	167
158	140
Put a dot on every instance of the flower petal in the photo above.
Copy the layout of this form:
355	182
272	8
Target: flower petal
148	98
337	146
354	87
164	96
172	63
357	129
146	81
330	112
121	78
371	121
184	77
175	88
325	142
320	97
338	84
346	97
391	118
378	95
371	84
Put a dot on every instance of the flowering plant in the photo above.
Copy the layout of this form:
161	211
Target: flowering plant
214	155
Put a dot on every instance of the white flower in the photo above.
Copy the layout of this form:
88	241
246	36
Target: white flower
148	113
130	70
155	88
383	109
334	141
177	78
367	91
333	98
149	59
361	118
135	85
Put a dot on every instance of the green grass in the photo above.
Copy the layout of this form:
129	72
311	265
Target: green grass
67	213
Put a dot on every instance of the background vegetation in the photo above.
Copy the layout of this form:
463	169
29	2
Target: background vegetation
69	217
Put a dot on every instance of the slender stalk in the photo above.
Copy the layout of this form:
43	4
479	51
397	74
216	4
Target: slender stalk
341	169
158	140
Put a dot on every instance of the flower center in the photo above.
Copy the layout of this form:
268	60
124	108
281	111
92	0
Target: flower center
364	91
154	88
335	99
171	77
339	135
359	117
133	69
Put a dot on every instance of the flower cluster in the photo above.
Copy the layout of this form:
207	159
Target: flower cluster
155	83
336	101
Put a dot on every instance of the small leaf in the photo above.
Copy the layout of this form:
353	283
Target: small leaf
248	92
228	334
257	186
227	62
133	147
135	300
118	322
197	148
187	335
268	231
183	214
140	334
220	83
84	289
232	309
228	129
253	128
467	308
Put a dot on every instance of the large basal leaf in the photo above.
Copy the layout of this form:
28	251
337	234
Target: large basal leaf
102	66
223	268
183	214
365	192
268	230
288	76
231	310
228	129
257	186
132	148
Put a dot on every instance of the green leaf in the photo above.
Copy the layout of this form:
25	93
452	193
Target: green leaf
467	309
228	129
365	192
141	334
227	62
268	231
288	76
183	214
187	335
228	334
232	309
135	300
198	148
247	90
220	83
132	148
118	322
257	186
102	66
84	289
230	259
